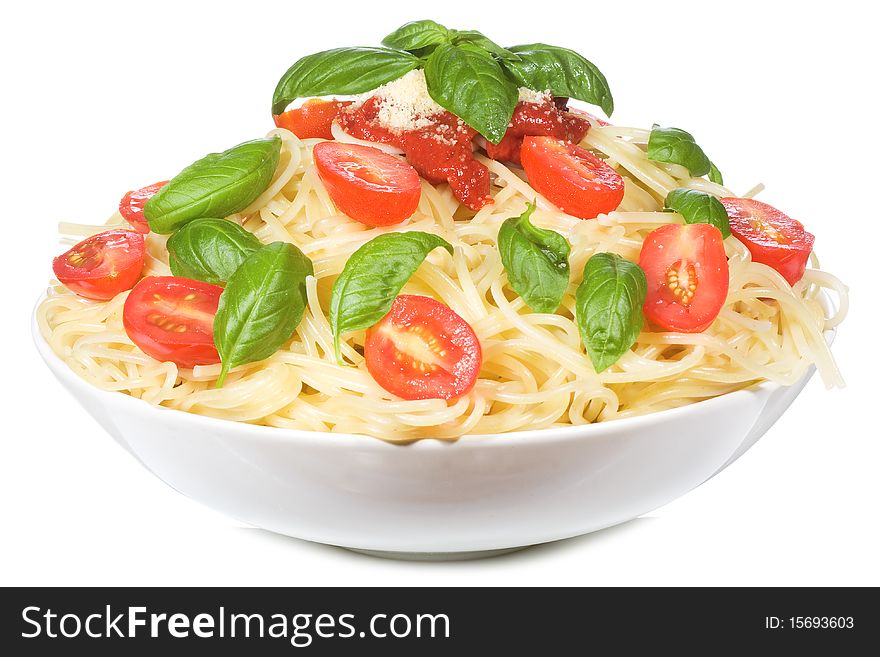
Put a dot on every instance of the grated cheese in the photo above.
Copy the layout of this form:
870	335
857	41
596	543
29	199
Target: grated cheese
531	96
404	103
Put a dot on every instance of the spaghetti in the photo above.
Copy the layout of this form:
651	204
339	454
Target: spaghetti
535	373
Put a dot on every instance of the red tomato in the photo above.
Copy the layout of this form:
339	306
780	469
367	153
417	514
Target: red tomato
103	265
172	319
772	237
687	274
367	184
131	207
570	177
422	350
312	119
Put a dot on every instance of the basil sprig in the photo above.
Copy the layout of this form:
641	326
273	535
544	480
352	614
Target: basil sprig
210	250
216	186
416	36
373	277
699	208
422	37
608	307
715	175
477	38
262	305
341	71
562	71
536	261
676	146
471	84
468	74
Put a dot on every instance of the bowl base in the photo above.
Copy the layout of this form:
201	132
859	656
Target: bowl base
438	556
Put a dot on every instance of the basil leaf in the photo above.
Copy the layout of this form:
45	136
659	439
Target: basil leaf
466	80
416	35
341	71
477	38
677	147
373	277
536	261
715	175
262	305
699	208
562	71
210	250
608	307
216	186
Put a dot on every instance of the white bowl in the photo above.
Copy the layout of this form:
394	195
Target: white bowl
435	499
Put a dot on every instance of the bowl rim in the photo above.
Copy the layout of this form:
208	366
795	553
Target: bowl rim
509	439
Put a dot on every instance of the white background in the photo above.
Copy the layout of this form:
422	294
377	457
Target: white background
99	99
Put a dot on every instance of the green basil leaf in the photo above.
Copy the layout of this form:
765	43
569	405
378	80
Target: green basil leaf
262	305
699	208
216	186
536	261
341	71
477	38
608	307
677	147
373	277
468	82
416	35
562	71
210	250
715	175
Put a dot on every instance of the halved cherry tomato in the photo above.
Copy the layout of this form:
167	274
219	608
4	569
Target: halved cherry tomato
312	119
687	276
572	178
172	319
772	237
131	207
103	265
367	184
423	350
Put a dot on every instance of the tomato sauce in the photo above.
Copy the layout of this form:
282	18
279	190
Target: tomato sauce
362	122
444	150
534	120
440	152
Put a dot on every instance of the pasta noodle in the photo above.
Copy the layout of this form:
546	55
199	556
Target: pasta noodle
535	373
